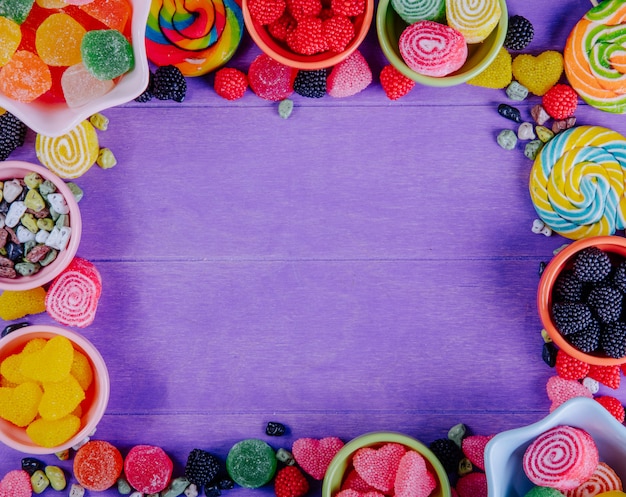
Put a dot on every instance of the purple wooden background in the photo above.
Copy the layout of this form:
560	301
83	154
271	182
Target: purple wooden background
363	265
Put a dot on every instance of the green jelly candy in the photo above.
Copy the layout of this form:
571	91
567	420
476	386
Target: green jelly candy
56	477
106	53
543	492
251	463
16	10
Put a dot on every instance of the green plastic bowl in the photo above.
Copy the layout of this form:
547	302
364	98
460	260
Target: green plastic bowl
341	462
389	27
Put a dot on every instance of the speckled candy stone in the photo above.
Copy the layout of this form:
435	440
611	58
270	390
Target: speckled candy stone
251	463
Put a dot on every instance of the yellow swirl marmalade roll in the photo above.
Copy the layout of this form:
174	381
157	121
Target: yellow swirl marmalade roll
577	182
475	19
70	155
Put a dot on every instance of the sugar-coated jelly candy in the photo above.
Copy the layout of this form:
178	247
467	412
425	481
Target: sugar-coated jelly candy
19	405
10	38
80	86
81	370
58	40
25	77
106	53
51	4
148	468
17	10
51	433
251	463
60	398
97	465
52	363
112	13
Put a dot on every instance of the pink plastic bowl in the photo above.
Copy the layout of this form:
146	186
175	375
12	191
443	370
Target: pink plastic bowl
97	395
19	169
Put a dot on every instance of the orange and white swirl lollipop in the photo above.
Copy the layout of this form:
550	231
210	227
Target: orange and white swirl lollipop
475	19
595	58
577	182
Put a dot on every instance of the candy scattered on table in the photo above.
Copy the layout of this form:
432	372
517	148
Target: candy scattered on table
251	463
97	465
349	77
314	455
147	468
562	457
201	467
73	296
394	83
290	482
538	73
231	83
519	33
12	134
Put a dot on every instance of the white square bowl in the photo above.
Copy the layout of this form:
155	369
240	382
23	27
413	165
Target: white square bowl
58	118
505	451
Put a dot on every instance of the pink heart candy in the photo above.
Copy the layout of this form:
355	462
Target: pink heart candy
378	467
413	478
16	483
561	390
314	455
349	492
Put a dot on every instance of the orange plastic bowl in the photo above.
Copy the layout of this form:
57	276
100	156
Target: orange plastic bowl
97	395
19	169
561	261
281	53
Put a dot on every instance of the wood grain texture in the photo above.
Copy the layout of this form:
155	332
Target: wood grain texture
364	265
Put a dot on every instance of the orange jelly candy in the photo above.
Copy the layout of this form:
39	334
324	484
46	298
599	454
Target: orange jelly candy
51	433
25	77
58	40
112	13
97	465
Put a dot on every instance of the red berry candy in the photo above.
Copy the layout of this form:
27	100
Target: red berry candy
607	375
307	38
348	8
282	26
338	31
266	11
560	101
290	482
613	405
230	83
301	9
394	83
569	367
270	79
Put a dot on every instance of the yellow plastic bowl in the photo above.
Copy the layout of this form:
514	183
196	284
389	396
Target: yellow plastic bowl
389	27
341	463
281	53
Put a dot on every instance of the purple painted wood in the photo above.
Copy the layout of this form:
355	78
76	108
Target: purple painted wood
364	265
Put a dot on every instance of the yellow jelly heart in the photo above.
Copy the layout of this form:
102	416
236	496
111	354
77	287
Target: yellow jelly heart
34	345
17	304
540	73
50	433
52	363
19	405
498	74
81	370
10	368
60	398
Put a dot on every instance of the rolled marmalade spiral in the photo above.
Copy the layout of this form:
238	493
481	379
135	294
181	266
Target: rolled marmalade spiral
577	182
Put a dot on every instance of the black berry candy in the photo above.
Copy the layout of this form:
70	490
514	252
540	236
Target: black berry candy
274	429
548	354
213	491
30	465
169	84
201	467
12	327
448	453
510	112
519	33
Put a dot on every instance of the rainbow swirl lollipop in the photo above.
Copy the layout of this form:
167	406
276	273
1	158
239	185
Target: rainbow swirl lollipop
197	36
595	57
577	182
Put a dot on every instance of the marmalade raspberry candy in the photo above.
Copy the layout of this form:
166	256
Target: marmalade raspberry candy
25	77
10	38
58	40
97	465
